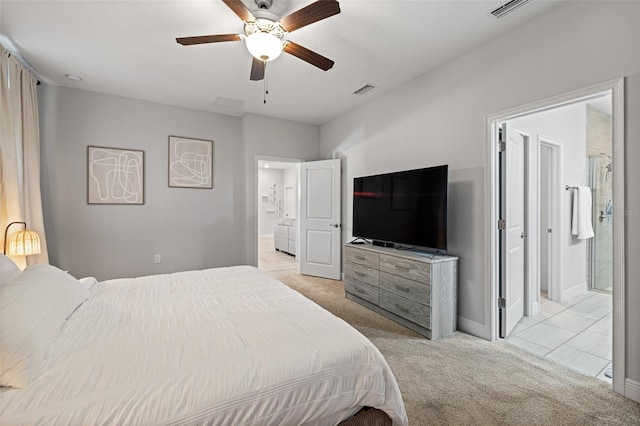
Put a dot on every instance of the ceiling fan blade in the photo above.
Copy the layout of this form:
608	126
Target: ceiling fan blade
186	41
240	9
257	69
309	56
315	12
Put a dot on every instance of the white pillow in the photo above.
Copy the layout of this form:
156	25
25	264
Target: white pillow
34	306
88	282
8	269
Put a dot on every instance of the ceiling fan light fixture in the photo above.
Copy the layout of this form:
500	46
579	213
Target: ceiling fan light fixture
264	46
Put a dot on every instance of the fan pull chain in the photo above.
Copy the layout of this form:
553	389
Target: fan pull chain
266	88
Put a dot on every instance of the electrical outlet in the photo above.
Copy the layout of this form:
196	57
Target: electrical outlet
157	258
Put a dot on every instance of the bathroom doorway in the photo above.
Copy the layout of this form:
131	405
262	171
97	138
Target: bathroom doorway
277	210
565	319
579	317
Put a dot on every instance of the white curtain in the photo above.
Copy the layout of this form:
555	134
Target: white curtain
20	199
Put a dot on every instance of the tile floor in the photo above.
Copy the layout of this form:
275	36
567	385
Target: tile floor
272	261
576	333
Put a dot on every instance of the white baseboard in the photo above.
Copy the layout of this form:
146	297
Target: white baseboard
632	389
474	328
535	309
574	291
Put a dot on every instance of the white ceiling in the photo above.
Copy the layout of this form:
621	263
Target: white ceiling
128	48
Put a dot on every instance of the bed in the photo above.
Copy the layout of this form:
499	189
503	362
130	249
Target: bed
223	346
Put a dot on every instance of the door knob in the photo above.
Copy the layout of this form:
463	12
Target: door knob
335	225
523	235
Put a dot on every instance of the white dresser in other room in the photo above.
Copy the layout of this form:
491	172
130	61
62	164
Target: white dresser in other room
284	236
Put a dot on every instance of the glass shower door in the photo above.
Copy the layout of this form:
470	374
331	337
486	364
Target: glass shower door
601	245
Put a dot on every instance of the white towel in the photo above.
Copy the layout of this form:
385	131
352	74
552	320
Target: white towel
581	215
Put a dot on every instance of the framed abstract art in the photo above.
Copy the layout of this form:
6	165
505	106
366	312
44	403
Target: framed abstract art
115	176
190	163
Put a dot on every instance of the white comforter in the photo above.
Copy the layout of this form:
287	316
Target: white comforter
226	346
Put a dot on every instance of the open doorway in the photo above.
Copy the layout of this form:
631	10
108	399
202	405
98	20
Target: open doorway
277	212
313	237
562	315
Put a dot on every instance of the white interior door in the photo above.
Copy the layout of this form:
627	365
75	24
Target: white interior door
512	205
290	204
546	217
320	225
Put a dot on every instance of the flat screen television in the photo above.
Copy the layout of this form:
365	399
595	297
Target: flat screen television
407	207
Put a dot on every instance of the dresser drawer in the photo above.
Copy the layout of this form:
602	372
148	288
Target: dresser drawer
362	290
361	257
413	290
405	308
410	269
361	273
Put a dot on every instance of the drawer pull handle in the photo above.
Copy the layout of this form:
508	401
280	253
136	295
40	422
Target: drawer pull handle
360	274
360	258
403	268
402	308
405	289
359	290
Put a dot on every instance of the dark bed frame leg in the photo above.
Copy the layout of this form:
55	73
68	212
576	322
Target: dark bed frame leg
368	417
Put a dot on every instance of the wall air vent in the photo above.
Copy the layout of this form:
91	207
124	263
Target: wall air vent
508	7
364	89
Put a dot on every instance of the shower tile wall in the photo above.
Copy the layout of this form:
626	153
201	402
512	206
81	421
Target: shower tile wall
599	140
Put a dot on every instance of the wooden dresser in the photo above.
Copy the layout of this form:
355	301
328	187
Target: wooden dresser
415	289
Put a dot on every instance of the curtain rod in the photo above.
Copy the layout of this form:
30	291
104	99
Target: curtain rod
18	59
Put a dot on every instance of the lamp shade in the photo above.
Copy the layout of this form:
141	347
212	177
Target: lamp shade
24	243
264	46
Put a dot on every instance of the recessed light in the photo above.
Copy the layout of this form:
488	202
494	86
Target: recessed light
73	77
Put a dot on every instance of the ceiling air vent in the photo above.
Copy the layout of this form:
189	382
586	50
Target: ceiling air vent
228	102
364	89
508	7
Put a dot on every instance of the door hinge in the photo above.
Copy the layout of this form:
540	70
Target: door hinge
501	302
502	146
502	224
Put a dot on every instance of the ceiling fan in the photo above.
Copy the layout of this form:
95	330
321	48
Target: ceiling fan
264	33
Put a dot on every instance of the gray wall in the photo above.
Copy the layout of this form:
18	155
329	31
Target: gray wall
189	228
440	118
270	137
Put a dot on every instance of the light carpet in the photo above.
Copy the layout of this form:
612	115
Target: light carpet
464	380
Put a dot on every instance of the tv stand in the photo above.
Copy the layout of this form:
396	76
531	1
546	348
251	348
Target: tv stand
382	243
415	289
